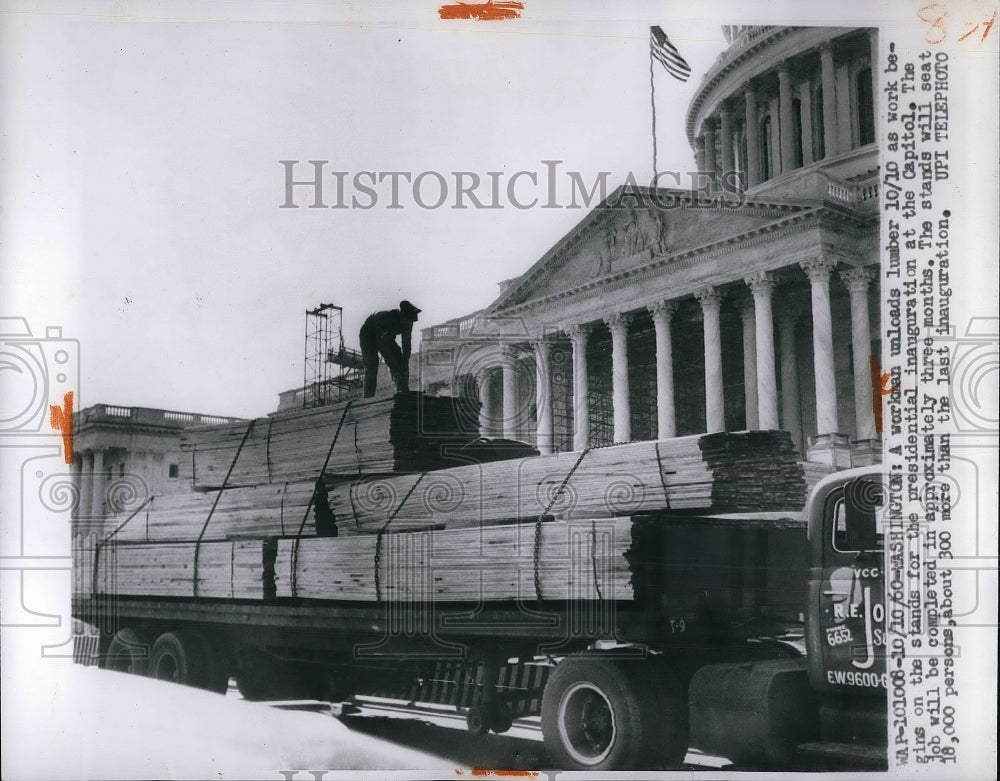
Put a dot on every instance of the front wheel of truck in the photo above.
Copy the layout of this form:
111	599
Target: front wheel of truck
607	713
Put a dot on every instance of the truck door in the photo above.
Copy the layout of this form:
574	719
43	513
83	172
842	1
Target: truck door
851	617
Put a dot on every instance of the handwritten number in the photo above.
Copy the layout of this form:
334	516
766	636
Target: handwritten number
935	14
926	14
989	26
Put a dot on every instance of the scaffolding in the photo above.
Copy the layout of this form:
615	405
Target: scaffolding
332	372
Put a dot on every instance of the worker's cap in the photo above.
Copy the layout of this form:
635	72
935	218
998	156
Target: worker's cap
409	309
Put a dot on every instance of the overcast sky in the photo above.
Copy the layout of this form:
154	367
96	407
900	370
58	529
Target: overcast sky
142	142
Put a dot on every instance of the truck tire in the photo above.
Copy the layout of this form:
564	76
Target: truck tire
179	657
260	676
128	652
218	664
672	720
599	714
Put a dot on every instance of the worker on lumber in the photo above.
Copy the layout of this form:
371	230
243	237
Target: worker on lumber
378	337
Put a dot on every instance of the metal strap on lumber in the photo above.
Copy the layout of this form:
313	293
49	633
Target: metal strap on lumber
663	477
204	528
97	547
381	533
267	448
593	558
537	552
305	516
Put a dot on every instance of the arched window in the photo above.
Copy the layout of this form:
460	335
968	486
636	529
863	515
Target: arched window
819	144
796	133
766	163
866	108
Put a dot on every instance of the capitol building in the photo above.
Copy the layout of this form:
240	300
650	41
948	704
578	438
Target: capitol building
753	304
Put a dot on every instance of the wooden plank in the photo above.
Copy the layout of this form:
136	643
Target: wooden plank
492	564
730	471
406	432
225	569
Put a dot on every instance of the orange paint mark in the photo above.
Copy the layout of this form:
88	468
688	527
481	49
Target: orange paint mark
880	383
884	381
485	771
61	419
483	12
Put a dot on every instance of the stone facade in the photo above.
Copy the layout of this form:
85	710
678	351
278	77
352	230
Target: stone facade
749	304
123	456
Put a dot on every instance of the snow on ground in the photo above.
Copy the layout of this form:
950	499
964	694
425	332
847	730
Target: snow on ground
90	723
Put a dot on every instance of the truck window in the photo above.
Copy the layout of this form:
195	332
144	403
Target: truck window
858	523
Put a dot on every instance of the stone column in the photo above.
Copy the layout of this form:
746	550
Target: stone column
873	43
715	415
818	270
753	139
699	152
581	403
726	133
666	421
791	413
805	120
509	358
618	323
857	280
97	486
76	477
829	100
786	127
749	363
709	125
85	506
761	286
487	414
543	395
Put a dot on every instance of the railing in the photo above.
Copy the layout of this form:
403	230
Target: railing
853	194
741	39
453	329
150	416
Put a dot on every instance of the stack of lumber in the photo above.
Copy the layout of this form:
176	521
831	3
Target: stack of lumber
409	431
751	471
256	511
491	564
229	570
754	470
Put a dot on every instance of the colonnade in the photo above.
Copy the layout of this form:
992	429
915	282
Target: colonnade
719	128
761	363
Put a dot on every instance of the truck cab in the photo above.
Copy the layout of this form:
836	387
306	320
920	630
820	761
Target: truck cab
845	620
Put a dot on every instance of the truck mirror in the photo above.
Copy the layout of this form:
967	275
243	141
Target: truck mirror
862	499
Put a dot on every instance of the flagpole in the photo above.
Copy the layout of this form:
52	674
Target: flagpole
652	100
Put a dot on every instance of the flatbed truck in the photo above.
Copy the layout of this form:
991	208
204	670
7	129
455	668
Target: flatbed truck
758	637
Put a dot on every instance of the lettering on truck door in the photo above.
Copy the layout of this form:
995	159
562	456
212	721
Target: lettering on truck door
852	601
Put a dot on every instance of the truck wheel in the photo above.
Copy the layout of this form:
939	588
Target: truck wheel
502	719
482	718
597	714
179	657
128	652
476	721
672	723
217	664
260	676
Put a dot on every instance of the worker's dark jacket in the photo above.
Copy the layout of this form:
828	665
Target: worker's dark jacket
391	323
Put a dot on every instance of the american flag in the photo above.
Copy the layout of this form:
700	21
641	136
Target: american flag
666	53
